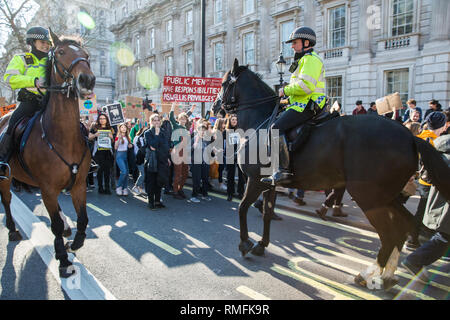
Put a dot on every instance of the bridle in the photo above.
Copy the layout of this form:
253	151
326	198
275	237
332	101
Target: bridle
233	106
69	82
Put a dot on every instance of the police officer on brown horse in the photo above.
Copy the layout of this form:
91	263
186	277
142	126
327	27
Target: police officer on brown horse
306	93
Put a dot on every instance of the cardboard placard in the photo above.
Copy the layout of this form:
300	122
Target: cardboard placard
88	108
389	103
5	109
133	107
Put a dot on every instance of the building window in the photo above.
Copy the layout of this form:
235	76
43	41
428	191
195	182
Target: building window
218	56
152	38
402	17
398	81
249	6
189	22
334	89
218	11
153	65
102	69
189	62
249	48
169	65
136	78
124	79
169	27
286	29
336	35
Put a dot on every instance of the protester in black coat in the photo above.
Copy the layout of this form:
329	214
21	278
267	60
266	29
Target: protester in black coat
157	161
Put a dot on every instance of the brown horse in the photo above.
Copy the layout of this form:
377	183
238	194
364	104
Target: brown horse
56	155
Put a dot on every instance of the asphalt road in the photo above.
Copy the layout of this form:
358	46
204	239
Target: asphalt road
190	251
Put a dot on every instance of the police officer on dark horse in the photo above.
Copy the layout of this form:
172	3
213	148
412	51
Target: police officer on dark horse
306	92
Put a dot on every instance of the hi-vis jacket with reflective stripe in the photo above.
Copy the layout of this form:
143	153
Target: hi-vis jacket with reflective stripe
307	82
20	74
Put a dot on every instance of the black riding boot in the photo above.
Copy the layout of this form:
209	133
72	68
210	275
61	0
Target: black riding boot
283	175
5	152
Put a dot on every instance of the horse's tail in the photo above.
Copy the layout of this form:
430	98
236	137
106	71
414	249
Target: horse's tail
437	168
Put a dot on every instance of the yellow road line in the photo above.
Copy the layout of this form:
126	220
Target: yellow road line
252	293
158	243
342	242
354	291
99	210
367	263
311	282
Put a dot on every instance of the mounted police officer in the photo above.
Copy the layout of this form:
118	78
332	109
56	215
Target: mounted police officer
306	92
26	71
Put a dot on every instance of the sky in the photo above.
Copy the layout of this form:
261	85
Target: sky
15	4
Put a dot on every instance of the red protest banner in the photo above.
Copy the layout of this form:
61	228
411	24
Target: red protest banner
190	89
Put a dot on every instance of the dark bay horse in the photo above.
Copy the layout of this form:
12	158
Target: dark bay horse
66	163
372	156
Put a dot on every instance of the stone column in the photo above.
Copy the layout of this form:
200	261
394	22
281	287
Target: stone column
440	23
309	14
363	30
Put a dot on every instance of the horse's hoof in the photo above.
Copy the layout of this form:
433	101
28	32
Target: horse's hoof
245	247
66	272
258	250
67	233
78	242
359	280
389	283
15	236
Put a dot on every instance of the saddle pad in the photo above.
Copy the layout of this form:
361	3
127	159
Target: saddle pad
26	134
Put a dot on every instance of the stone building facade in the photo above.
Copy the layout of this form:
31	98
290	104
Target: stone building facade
370	47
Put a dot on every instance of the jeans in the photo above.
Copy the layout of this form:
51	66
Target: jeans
122	163
140	178
104	160
430	251
424	191
200	179
231	170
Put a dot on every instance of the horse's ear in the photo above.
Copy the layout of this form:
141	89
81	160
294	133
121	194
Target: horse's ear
235	66
54	37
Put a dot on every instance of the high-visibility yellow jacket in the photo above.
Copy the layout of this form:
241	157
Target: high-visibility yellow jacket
307	82
429	136
23	69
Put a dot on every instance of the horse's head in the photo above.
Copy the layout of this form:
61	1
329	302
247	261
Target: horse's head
71	66
241	89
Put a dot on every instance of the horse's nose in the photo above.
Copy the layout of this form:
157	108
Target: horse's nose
86	81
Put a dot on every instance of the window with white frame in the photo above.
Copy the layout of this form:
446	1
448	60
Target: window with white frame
124	79
102	63
218	56
152	38
398	81
218	11
189	62
169	65
249	48
189	22
334	89
248	6
169	27
286	29
136	78
402	17
153	65
336	29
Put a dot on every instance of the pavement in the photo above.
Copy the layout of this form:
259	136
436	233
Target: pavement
314	200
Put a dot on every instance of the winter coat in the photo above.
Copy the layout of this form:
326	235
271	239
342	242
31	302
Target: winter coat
437	211
161	145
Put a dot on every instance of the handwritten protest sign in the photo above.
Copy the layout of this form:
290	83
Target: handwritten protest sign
190	89
103	140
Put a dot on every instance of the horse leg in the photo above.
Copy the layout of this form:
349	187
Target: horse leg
79	202
375	277
268	208
252	192
67	231
57	226
14	234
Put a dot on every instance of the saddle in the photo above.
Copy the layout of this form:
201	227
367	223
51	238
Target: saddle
297	136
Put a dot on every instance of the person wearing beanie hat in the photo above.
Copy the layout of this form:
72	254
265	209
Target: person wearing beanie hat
436	122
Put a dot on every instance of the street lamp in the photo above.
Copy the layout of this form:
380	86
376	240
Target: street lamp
281	65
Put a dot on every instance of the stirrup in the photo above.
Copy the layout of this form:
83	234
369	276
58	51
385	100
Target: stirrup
5	166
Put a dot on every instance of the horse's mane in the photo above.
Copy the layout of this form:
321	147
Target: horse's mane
258	77
64	40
